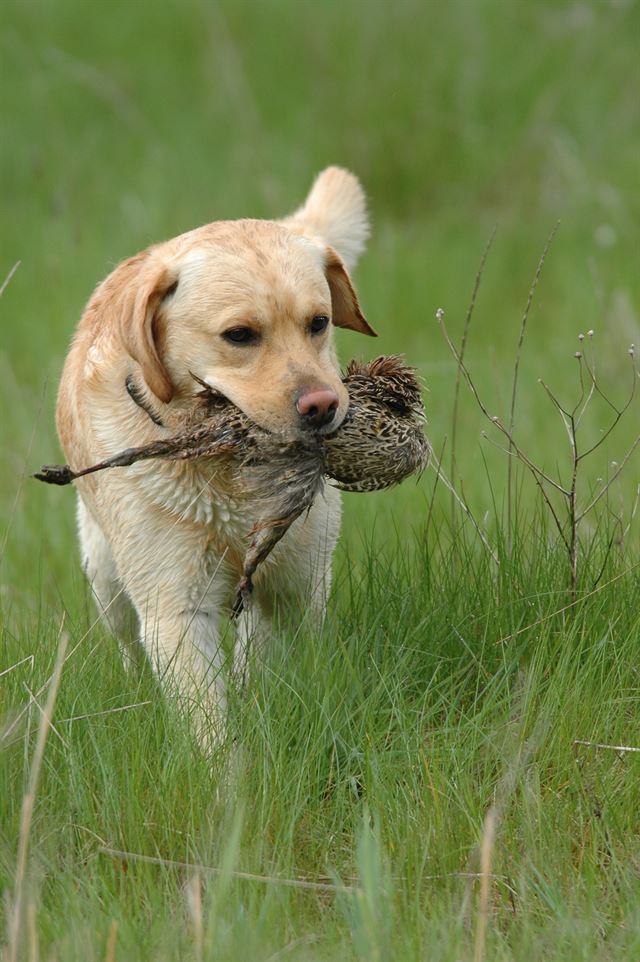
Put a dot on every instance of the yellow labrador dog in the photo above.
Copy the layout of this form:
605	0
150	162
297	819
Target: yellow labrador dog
248	306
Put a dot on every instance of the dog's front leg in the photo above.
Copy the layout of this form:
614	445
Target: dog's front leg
177	589
184	649
254	629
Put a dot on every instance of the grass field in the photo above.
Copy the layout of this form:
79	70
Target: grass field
434	731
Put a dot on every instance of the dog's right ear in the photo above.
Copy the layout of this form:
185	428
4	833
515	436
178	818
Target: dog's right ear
143	291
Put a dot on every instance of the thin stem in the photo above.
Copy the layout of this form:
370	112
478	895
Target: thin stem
28	801
573	519
516	369
589	396
619	414
494	420
567	607
606	558
566	416
558	523
576	406
437	467
632	516
463	344
608	484
7	279
214	870
427	524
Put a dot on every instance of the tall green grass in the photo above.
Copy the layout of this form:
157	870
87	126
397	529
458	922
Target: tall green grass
361	760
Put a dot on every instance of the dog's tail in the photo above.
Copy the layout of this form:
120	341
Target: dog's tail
335	211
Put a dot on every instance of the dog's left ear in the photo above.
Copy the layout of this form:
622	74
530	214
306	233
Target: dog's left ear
344	300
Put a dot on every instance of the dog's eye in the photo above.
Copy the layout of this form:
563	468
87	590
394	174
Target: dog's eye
241	335
319	324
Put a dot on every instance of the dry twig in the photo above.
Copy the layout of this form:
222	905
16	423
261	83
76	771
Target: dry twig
614	748
212	870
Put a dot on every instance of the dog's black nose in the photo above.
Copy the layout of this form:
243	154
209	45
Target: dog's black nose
317	408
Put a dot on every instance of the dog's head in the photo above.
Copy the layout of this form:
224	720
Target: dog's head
248	306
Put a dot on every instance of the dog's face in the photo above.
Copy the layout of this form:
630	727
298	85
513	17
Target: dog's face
248	307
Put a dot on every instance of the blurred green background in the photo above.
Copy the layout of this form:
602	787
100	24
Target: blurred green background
126	123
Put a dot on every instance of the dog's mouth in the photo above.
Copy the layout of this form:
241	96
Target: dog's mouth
215	401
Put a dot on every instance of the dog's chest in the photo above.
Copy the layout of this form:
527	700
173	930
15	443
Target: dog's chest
196	492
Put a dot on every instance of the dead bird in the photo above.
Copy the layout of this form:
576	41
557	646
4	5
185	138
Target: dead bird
379	444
